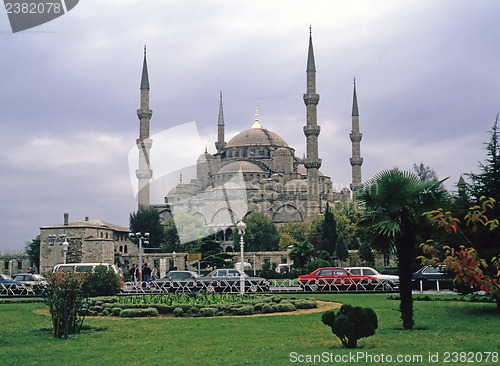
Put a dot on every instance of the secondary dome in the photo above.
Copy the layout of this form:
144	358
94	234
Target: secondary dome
256	137
244	166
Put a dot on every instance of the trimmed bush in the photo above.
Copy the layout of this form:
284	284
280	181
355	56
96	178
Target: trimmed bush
207	312
129	313
116	311
267	309
286	306
351	323
244	310
178	311
305	304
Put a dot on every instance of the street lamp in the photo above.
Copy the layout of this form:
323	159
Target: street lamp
241	226
53	241
142	239
65	246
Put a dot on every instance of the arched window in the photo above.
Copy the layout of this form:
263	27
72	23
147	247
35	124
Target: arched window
125	249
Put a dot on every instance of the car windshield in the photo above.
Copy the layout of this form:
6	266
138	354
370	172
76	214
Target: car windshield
5	277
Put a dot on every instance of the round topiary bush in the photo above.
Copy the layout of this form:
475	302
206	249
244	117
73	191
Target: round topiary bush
267	309
286	306
178	312
129	313
116	311
244	310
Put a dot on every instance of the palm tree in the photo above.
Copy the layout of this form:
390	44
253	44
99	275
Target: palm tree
394	201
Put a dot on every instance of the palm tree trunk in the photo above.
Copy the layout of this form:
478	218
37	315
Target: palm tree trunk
405	249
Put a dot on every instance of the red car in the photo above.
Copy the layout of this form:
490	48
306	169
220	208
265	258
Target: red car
334	279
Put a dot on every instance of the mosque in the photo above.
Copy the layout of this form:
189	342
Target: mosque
255	171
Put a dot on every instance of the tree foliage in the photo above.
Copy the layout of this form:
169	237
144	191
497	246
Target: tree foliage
147	220
33	251
301	254
212	255
261	234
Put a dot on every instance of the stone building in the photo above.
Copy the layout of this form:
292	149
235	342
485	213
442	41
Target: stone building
90	241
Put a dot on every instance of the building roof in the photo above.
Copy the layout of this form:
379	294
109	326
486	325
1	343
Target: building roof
245	166
256	137
98	224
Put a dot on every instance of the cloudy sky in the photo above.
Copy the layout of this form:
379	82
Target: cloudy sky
426	75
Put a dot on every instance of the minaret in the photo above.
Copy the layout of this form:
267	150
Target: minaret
144	173
220	144
311	130
355	136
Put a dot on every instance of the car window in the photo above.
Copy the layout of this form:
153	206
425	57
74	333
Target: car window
18	278
220	273
356	271
326	272
233	273
431	269
340	272
368	272
83	269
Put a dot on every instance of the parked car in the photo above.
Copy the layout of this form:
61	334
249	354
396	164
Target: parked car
388	281
228	280
335	278
177	281
8	286
85	267
428	277
35	281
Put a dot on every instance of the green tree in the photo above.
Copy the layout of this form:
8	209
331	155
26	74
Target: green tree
33	251
172	242
147	220
342	251
329	231
297	230
212	255
301	254
394	202
261	234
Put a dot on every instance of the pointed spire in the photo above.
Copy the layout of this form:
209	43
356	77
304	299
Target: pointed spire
256	123
221	112
310	56
145	78
180	177
355	112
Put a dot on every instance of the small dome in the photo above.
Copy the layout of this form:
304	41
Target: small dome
205	156
282	152
296	185
235	166
256	137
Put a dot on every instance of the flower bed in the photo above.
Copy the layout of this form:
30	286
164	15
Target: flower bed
194	305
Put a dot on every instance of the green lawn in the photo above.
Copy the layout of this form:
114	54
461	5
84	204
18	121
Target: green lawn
472	328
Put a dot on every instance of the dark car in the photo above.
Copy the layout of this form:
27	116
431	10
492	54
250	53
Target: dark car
430	277
334	279
228	280
32	281
177	281
10	287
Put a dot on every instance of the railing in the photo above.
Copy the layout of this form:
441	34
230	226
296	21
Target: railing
24	289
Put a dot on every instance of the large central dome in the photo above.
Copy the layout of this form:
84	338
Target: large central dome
256	137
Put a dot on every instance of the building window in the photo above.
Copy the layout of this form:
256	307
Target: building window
19	265
121	249
106	235
267	260
6	265
125	249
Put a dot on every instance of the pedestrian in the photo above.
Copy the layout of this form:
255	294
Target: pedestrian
154	273
30	270
146	273
134	273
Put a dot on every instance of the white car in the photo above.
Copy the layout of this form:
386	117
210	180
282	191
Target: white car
391	280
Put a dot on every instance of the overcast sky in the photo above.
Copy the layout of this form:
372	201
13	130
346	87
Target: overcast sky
426	75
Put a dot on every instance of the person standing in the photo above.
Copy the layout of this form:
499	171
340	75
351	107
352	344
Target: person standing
154	273
146	273
134	273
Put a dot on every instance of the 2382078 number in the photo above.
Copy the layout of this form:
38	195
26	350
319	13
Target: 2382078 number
470	357
33	8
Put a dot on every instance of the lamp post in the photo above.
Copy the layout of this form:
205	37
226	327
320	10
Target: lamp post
241	231
53	241
65	246
142	239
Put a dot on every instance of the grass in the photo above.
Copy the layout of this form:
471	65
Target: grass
441	326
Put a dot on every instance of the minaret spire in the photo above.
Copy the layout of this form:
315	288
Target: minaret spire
220	144
144	143
355	135
311	130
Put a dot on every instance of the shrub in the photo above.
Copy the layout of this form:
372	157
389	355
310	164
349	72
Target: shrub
129	313
103	282
116	311
151	312
65	302
178	312
244	310
286	306
207	312
266	308
351	323
305	304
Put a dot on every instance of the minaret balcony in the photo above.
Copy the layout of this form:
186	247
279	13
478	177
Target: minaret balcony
143	173
144	113
355	136
312	164
311	98
356	161
312	130
144	144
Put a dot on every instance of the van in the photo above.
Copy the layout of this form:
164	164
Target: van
85	267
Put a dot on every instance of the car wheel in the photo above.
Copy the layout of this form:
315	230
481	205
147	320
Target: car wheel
314	287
